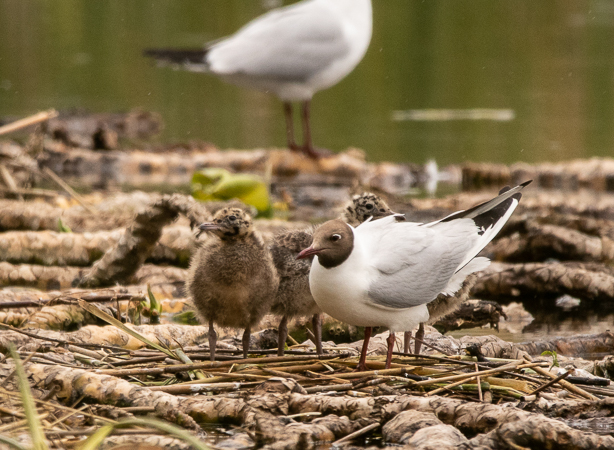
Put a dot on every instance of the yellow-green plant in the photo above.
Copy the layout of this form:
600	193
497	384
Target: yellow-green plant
63	227
555	358
220	184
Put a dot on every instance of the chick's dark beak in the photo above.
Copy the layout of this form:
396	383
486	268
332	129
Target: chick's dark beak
208	226
309	251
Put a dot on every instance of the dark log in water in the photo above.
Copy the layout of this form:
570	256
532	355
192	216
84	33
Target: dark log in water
596	174
503	280
581	345
471	313
539	242
138	169
102	131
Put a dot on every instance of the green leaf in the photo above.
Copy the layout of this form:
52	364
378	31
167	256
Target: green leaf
206	177
219	184
94	441
555	358
34	424
186	318
11	443
155	308
63	228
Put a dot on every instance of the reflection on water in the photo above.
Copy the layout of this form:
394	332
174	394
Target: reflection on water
542	319
552	65
498	115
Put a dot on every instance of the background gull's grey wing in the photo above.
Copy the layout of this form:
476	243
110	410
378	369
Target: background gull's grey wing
415	263
289	44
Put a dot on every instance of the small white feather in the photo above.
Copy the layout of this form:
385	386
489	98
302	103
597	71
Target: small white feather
455	283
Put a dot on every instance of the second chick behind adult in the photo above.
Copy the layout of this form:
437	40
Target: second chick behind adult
293	298
232	279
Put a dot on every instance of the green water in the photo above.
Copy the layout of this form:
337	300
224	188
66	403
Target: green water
550	64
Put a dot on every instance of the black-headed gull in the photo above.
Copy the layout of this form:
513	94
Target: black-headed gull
293	298
384	272
292	52
232	279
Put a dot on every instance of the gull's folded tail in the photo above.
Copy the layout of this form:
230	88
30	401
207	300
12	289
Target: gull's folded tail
178	56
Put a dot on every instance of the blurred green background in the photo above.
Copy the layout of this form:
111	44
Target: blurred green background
549	65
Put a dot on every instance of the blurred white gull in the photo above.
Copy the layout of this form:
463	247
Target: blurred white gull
292	52
384	272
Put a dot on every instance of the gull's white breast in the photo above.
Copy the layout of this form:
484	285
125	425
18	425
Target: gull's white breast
343	293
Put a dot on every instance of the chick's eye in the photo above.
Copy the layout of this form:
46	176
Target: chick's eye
233	218
369	206
335	237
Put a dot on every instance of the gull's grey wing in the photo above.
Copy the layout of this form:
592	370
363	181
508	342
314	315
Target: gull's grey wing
288	44
414	264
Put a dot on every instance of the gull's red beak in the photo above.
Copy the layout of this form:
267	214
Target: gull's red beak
309	251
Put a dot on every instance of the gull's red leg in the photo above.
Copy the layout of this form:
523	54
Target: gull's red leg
290	127
362	362
308	148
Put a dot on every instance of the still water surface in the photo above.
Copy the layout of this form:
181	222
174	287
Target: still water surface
459	80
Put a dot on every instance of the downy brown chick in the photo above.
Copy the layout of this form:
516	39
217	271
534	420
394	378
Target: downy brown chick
363	206
293	298
232	279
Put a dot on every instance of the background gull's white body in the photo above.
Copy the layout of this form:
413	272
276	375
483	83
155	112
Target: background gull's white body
292	52
295	51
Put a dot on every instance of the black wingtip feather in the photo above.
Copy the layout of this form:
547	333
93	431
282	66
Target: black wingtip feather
496	212
177	56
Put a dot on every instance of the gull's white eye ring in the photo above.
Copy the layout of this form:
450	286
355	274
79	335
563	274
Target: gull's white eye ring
335	237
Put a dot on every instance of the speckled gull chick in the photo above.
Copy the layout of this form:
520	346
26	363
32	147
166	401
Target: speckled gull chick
384	272
293	298
292	52
232	279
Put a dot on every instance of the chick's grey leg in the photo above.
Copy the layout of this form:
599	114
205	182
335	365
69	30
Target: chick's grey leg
419	338
406	341
391	341
282	335
212	340
246	336
316	322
